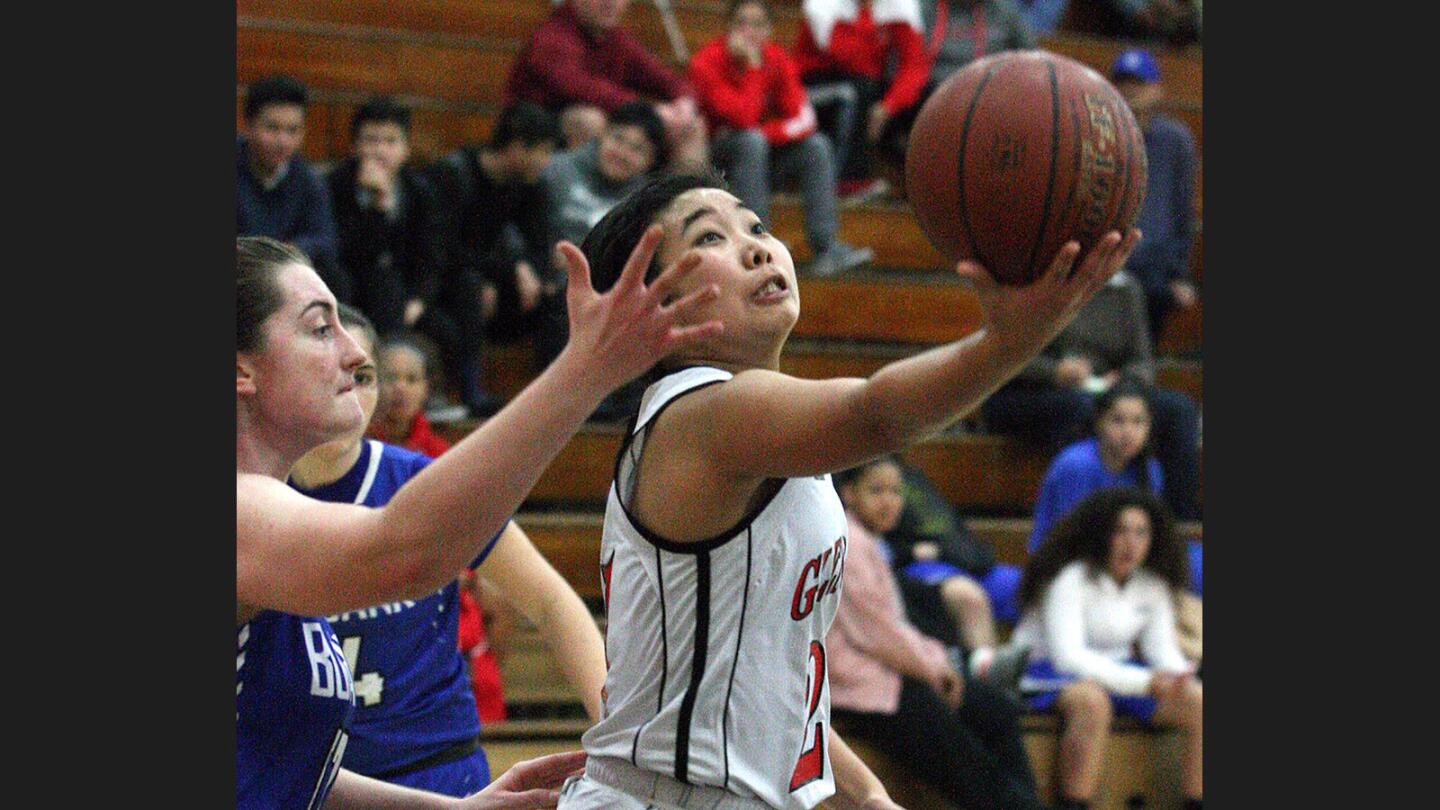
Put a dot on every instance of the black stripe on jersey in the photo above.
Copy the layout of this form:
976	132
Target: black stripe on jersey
725	718
698	546
697	666
664	659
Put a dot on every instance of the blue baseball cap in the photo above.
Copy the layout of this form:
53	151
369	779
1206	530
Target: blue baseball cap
1136	63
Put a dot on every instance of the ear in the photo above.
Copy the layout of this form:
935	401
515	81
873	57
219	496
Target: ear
244	376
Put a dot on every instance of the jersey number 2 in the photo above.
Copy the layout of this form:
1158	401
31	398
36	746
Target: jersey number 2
811	765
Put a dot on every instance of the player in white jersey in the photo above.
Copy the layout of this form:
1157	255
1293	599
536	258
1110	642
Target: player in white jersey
724	541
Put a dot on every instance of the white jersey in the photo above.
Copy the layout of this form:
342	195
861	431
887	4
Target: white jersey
716	648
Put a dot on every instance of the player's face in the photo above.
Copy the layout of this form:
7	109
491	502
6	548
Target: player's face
367	392
877	497
1129	542
275	134
1123	429
625	152
759	300
304	378
383	142
403	385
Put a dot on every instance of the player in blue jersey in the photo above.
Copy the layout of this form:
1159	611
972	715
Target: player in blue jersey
298	559
415	721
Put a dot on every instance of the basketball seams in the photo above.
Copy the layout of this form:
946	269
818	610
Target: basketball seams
960	166
1054	159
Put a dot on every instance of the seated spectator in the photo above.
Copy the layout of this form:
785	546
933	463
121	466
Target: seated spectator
1052	400
896	687
583	184
1043	16
496	226
582	65
1161	262
1101	588
961	31
939	560
842	50
404	389
1174	21
761	124
277	193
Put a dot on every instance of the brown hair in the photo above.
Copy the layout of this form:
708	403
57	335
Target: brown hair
257	295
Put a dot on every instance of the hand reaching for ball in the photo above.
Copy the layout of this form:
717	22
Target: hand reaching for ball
1024	319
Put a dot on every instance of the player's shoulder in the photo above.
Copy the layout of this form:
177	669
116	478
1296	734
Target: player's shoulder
402	459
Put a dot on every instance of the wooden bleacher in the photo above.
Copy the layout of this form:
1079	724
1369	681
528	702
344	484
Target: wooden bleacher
449	59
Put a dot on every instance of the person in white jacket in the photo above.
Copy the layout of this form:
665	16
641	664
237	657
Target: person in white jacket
1100	589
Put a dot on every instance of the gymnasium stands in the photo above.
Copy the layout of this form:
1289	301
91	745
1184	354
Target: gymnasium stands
449	59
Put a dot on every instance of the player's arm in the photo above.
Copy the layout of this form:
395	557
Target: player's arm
856	786
302	556
530	784
528	582
769	425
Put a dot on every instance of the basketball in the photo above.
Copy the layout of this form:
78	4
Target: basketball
1019	152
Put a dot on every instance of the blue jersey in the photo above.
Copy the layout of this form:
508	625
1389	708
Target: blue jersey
293	696
413	697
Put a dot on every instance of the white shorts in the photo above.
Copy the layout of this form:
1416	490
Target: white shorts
584	793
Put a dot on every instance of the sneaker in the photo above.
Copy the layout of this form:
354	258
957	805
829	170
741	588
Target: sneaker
1007	666
862	190
839	257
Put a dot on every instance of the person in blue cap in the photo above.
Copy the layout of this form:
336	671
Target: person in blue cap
1162	261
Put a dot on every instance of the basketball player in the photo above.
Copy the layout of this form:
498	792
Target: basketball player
298	559
723	547
415	721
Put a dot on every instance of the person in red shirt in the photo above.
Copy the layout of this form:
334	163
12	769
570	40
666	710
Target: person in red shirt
581	64
404	387
761	124
842	49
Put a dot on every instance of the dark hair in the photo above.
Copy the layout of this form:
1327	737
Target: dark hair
1127	387
381	109
274	90
734	6
641	114
257	296
351	316
1084	534
528	123
608	245
853	474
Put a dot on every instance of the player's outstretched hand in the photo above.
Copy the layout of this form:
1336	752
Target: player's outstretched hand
1026	318
533	783
621	334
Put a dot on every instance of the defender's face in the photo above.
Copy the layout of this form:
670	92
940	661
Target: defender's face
304	377
759	300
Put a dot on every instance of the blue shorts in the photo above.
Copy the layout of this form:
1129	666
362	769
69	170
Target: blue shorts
460	778
1001	584
1041	686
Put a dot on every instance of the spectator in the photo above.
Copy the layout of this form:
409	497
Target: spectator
581	64
1051	401
761	124
392	252
843	49
961	31
942	564
1102	586
496	233
583	184
1175	21
897	687
1043	16
277	193
1162	262
404	388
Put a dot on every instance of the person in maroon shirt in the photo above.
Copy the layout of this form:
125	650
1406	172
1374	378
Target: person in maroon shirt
842	49
583	65
762	125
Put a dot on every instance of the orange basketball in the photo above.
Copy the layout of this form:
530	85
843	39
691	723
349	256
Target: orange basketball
1016	154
